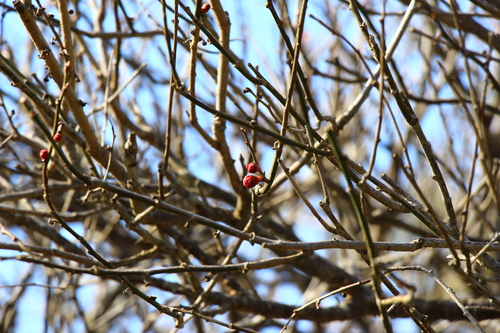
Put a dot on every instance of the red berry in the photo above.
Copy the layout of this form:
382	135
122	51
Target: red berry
253	167
205	7
251	180
57	137
44	154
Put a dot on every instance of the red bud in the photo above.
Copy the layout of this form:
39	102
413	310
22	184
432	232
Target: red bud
251	180
57	137
253	167
205	7
44	154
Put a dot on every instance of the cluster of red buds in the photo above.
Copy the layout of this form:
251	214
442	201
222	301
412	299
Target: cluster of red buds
254	175
44	153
